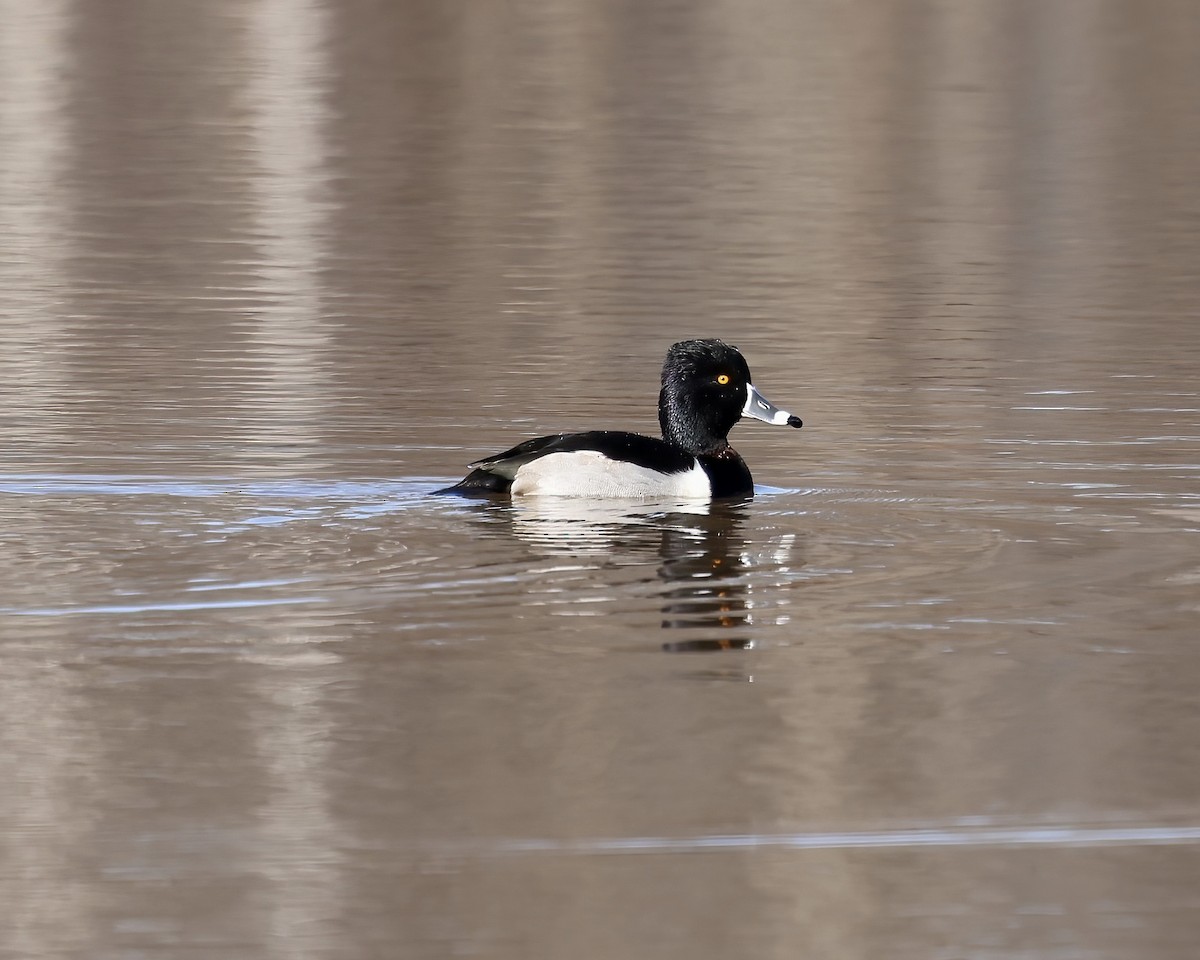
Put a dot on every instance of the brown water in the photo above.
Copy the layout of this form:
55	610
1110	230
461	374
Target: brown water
274	270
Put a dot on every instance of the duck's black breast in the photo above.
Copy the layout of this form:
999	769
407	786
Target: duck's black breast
727	472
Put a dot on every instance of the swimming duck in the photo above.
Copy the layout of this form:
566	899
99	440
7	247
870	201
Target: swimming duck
706	389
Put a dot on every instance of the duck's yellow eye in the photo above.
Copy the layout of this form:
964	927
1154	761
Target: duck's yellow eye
723	379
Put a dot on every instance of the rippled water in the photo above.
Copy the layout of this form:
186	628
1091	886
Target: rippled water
274	271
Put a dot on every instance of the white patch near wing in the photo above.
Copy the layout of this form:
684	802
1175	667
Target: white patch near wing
587	473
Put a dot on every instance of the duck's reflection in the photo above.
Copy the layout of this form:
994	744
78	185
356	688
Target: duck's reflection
704	565
703	555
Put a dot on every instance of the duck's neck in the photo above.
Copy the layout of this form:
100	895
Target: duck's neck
692	428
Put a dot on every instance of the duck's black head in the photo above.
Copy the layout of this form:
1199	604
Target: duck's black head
706	389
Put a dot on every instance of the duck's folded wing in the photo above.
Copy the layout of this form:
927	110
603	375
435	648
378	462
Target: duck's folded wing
507	464
495	474
649	452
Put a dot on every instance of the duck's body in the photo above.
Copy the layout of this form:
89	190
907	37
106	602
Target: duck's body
706	389
611	464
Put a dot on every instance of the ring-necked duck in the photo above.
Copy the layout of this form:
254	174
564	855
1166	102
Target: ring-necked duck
706	389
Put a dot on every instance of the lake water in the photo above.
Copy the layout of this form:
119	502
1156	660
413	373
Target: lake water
273	271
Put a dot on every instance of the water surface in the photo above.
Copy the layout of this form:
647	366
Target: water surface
273	272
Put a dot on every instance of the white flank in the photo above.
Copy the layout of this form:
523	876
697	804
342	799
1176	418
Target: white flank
587	473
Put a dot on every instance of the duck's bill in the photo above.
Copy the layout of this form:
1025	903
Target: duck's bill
760	408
